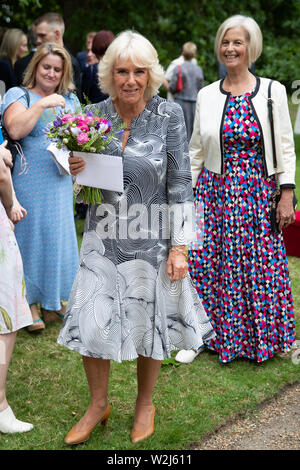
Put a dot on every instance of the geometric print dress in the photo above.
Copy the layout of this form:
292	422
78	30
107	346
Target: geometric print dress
241	272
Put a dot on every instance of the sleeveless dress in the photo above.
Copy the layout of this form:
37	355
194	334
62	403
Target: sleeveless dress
241	272
14	309
47	236
123	303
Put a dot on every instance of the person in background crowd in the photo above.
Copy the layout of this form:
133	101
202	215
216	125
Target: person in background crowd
192	81
14	310
47	236
50	28
13	47
241	272
22	63
90	81
87	57
169	73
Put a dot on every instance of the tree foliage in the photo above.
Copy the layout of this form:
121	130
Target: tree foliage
169	24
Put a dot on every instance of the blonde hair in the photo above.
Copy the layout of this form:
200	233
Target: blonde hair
66	84
11	43
133	46
189	50
253	36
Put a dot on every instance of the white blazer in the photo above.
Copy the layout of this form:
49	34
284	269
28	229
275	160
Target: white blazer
206	145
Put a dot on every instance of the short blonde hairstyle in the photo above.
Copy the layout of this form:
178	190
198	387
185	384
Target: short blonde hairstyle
133	46
253	35
11	43
66	85
189	50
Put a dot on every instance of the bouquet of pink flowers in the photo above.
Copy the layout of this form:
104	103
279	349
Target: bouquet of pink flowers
83	132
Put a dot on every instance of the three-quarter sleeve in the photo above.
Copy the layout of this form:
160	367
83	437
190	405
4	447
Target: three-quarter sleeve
179	180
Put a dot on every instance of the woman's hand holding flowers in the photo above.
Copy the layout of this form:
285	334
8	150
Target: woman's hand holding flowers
76	164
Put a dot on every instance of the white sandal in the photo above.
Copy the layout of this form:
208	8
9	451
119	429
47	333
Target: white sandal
10	424
185	356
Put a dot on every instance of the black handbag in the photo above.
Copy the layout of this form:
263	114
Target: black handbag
277	193
14	146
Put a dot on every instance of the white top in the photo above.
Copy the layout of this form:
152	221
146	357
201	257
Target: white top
205	144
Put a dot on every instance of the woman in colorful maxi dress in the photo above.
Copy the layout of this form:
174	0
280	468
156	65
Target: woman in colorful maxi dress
241	271
47	236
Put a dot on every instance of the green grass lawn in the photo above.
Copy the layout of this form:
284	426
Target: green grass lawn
47	386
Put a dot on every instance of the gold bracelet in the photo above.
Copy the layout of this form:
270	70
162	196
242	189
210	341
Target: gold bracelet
179	249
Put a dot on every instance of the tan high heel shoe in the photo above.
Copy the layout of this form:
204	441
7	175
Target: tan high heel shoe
137	436
75	437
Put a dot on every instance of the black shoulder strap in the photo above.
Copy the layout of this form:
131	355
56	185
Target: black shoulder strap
27	95
270	110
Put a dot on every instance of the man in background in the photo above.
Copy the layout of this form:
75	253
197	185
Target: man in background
86	58
50	27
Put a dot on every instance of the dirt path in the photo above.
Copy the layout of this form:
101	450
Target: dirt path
274	426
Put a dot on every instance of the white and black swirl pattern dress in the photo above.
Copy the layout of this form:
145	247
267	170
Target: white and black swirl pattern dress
122	303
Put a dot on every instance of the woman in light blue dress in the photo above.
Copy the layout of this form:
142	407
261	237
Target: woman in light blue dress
46	236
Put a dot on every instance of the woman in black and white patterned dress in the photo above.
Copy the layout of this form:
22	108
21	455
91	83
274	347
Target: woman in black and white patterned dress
132	297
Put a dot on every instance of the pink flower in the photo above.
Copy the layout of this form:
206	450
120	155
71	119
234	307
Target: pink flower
89	119
82	138
105	125
67	117
84	128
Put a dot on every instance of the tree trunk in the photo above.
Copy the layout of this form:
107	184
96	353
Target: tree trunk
68	8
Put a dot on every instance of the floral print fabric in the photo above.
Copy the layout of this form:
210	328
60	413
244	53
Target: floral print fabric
14	309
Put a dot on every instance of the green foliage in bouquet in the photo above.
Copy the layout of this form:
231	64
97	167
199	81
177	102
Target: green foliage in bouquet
83	132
